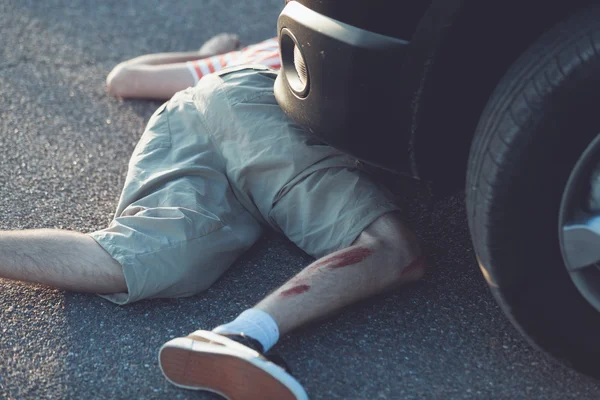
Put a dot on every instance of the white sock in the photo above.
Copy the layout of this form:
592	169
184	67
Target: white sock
256	324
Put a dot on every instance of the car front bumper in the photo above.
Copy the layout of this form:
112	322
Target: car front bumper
346	89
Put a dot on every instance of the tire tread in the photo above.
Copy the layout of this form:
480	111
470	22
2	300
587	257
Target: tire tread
508	128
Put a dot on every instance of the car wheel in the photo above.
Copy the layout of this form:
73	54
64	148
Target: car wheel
531	188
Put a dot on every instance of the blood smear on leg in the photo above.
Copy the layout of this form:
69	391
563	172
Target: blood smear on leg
347	258
415	265
295	290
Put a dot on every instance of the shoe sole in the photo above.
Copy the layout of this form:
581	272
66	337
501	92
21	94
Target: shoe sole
192	364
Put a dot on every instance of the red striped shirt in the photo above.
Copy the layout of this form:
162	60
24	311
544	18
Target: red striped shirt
265	53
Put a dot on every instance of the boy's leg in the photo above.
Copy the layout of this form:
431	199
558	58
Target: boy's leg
177	226
385	255
63	259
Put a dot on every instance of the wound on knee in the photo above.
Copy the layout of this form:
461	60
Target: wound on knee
416	265
345	258
295	290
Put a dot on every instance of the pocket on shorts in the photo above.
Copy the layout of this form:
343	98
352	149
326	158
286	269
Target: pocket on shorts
157	134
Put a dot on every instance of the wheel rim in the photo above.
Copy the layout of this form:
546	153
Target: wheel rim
579	225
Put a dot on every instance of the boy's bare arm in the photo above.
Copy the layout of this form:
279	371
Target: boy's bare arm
219	44
140	81
165	58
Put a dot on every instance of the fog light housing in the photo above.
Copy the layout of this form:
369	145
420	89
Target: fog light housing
294	64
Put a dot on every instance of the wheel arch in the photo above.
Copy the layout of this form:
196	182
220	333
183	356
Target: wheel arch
460	51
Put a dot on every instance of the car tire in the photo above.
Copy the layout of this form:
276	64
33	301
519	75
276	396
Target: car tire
537	123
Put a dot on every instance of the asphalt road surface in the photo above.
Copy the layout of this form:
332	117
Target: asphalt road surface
64	147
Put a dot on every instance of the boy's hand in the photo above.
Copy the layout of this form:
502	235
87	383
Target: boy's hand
219	44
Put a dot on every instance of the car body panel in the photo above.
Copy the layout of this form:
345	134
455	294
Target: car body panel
421	120
346	103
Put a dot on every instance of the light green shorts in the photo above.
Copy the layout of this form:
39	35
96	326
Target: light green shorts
216	164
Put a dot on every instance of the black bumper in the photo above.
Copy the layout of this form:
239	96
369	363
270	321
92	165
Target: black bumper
348	95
